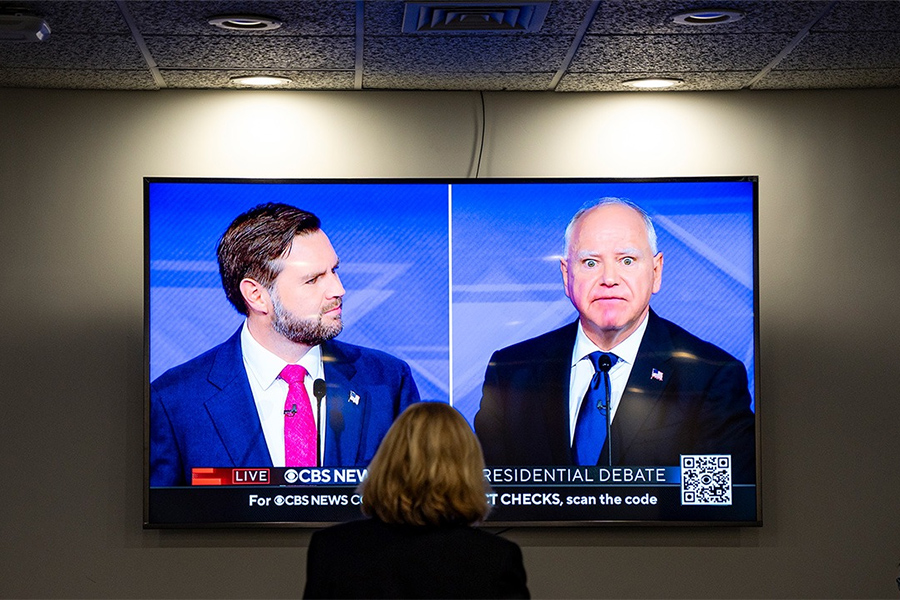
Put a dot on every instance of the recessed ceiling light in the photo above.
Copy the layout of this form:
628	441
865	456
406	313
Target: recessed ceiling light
707	16
23	28
653	83
260	81
245	22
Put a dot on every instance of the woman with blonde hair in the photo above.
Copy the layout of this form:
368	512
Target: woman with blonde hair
424	491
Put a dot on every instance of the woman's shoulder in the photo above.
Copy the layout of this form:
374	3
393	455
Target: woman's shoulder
348	529
486	535
471	538
359	529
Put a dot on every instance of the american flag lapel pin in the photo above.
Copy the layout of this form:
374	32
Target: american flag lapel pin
354	397
656	374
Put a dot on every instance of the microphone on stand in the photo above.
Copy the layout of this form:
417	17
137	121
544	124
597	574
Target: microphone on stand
319	389
604	364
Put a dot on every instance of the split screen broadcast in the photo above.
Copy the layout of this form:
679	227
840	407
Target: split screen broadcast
600	336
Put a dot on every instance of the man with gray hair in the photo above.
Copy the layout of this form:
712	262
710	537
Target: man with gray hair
621	385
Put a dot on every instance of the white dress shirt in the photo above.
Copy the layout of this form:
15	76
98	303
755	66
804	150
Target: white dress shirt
270	392
583	371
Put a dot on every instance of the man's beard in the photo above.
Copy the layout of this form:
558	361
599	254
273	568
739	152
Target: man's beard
309	332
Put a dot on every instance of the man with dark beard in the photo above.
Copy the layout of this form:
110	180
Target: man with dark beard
256	400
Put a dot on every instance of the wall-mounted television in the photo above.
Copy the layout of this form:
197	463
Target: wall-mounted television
461	291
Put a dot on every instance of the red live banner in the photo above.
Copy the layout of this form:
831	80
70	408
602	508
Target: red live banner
229	476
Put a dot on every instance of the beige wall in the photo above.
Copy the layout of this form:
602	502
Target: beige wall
71	169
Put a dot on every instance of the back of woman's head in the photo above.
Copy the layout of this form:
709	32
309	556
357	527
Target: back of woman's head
428	470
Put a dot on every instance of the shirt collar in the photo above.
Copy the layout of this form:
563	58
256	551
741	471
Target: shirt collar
265	366
626	350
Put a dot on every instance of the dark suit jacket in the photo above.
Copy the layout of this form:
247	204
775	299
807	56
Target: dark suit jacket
371	559
202	412
702	405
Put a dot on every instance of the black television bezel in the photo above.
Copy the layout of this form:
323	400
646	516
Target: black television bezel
147	181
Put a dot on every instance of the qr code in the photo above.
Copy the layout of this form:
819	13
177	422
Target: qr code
706	479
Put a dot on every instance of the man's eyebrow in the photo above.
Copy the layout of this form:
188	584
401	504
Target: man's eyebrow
304	276
337	263
310	274
616	251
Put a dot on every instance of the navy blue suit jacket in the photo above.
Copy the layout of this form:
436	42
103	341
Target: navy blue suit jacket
701	406
202	412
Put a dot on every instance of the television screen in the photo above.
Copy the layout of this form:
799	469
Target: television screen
609	382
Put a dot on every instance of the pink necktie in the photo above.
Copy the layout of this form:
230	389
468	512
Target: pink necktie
299	425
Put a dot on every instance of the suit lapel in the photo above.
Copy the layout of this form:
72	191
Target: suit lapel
552	378
347	406
643	390
233	410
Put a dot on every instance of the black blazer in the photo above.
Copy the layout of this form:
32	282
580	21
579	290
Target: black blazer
701	405
371	559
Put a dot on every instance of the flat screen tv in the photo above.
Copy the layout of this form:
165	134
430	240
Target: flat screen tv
441	274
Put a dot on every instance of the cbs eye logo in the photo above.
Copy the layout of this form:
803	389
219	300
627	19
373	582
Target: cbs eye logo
291	476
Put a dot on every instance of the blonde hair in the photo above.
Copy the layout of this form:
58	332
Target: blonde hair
428	470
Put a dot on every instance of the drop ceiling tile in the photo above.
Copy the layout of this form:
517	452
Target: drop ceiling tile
870	50
74	51
830	79
653	53
459	81
416	55
210	52
882	15
91	79
383	18
565	17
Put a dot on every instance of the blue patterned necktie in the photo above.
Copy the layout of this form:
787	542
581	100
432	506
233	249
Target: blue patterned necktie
590	428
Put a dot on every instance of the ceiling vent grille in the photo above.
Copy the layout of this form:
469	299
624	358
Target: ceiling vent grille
474	17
